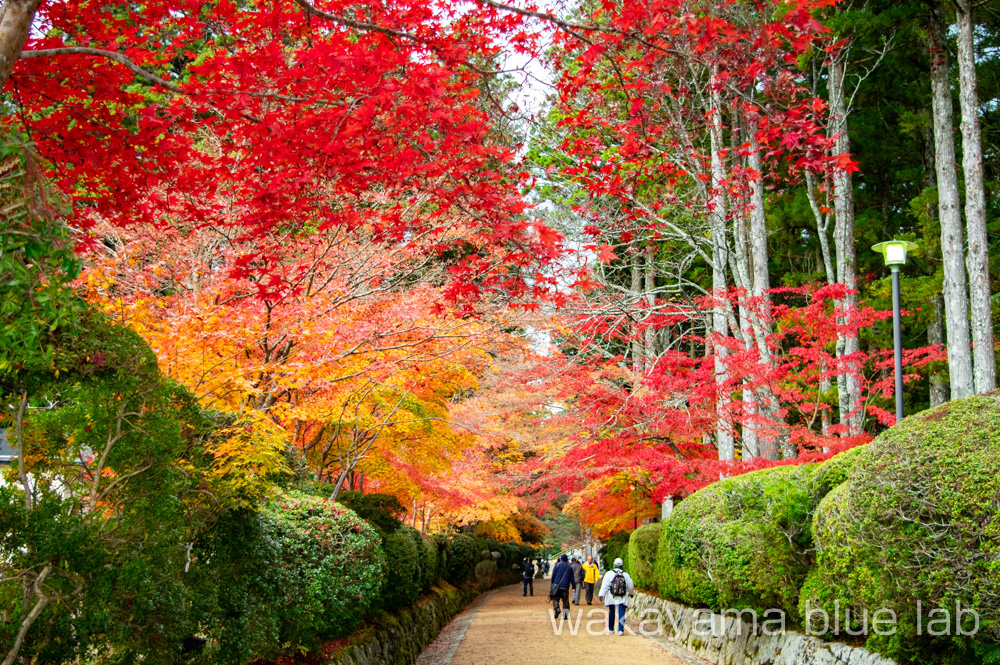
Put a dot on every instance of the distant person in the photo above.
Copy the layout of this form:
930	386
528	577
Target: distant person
590	574
545	566
540	569
616	588
578	576
562	577
529	576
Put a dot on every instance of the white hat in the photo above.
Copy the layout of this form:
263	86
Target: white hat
619	563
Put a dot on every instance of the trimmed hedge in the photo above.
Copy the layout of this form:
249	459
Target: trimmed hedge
461	557
330	569
642	546
428	554
403	580
382	511
745	542
917	521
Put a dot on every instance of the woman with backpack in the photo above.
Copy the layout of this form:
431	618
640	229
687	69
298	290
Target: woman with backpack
616	588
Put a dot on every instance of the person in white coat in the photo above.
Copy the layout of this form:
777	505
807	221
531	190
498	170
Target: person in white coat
616	588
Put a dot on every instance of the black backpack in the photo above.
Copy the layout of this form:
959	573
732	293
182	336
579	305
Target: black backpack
619	587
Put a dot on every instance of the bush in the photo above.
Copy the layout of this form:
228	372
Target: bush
403	580
642	546
382	511
428	553
330	569
745	542
917	521
461	557
616	547
235	590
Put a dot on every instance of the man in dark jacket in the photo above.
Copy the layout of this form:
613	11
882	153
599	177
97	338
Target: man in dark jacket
529	576
562	577
577	580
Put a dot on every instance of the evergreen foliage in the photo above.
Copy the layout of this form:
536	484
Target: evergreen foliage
916	521
642	546
745	542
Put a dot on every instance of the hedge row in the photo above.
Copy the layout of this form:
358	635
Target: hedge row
642	545
300	572
911	517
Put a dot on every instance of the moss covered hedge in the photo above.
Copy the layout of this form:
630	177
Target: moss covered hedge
917	521
642	546
745	542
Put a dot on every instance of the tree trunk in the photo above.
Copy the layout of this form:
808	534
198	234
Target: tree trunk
822	228
956	303
770	445
978	259
848	385
16	17
638	300
650	274
720	249
935	335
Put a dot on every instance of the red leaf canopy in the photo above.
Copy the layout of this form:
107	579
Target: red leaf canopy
280	118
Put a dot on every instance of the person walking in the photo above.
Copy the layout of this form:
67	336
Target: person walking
616	588
562	577
529	576
545	566
590	575
578	576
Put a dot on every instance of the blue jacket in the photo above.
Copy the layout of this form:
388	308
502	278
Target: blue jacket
562	574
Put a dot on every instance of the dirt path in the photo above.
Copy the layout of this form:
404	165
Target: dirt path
503	627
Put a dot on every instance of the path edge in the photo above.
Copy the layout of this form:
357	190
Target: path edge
400	638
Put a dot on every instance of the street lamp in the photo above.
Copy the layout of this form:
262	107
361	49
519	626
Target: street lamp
895	252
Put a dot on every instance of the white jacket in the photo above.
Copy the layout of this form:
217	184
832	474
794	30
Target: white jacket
606	585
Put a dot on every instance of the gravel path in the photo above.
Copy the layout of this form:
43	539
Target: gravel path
503	627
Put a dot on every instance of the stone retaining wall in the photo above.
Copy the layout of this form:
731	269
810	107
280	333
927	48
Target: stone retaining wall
399	638
725	640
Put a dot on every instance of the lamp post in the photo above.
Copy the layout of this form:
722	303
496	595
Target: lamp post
894	252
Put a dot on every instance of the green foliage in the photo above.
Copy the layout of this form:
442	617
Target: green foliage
428	556
37	263
916	521
403	579
382	511
110	445
330	572
461	554
236	598
745	542
615	547
642	546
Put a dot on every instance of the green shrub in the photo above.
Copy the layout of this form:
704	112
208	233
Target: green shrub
462	555
402	578
382	511
428	552
235	595
616	547
917	521
441	541
331	568
745	542
642	546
